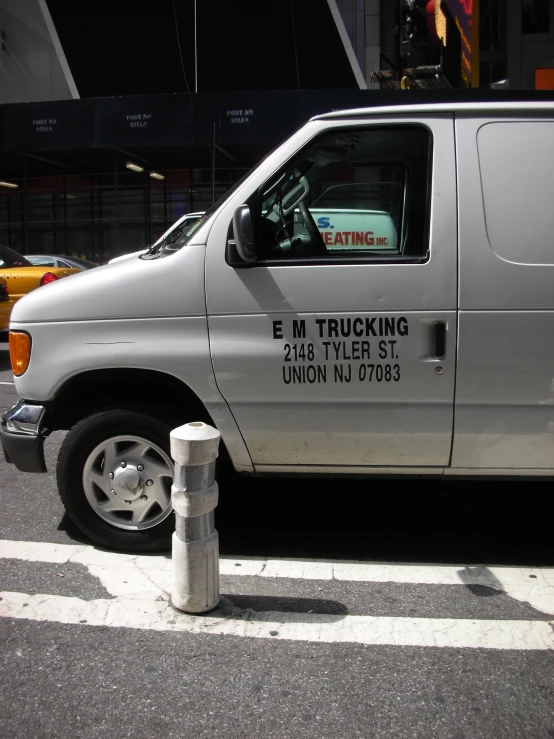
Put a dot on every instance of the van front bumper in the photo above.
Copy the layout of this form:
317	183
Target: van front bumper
22	434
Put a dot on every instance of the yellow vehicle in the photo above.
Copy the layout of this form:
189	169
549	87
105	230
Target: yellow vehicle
22	277
5	305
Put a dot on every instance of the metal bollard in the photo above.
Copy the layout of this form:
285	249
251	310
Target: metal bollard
194	495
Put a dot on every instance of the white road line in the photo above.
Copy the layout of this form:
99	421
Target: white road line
147	576
7	383
160	616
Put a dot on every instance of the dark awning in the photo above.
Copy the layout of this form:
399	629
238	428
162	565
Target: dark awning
242	125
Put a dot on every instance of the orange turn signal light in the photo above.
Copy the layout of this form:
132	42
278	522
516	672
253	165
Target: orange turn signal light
20	351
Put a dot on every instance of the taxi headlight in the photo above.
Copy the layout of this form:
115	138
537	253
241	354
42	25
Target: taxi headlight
20	351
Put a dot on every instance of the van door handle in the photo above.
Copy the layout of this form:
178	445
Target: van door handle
440	339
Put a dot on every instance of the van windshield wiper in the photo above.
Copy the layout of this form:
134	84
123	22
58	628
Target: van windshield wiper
154	249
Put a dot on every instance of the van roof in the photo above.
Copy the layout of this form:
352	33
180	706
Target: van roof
442	107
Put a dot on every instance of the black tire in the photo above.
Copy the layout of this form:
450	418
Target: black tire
79	443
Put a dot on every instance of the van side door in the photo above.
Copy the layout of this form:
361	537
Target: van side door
337	347
505	386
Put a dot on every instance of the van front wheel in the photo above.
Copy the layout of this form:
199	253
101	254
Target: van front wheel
114	477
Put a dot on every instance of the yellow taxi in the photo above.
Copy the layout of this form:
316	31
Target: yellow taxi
5	305
22	277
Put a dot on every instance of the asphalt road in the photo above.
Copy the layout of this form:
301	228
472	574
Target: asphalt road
294	649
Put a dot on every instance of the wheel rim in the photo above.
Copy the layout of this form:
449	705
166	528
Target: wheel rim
127	482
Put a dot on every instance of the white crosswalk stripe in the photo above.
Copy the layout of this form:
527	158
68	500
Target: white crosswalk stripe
140	586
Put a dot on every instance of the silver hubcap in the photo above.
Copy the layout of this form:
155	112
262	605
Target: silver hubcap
127	481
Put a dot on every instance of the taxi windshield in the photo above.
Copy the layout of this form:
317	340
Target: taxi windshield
10	259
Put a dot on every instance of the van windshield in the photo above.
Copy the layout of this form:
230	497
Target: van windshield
190	230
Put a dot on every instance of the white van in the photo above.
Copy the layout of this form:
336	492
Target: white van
432	352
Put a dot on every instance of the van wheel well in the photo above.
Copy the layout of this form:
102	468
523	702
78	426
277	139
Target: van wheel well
147	391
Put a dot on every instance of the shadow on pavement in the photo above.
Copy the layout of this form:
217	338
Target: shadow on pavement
67	526
426	521
4	356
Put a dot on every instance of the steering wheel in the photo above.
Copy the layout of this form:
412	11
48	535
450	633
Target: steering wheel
313	231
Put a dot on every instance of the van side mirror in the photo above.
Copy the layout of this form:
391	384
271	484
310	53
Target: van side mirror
244	234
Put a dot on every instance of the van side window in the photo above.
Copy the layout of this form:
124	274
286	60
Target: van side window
516	161
351	195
